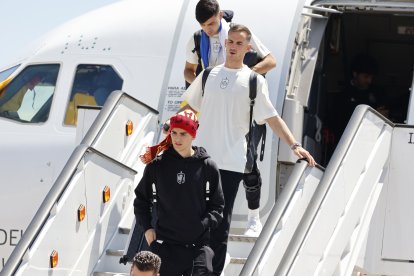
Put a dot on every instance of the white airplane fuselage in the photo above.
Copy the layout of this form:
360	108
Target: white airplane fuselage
142	45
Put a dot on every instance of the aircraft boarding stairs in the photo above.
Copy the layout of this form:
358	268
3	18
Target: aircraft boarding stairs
92	197
320	221
316	226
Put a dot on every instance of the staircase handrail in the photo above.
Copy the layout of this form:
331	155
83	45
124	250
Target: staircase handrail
53	196
275	217
282	202
323	187
63	180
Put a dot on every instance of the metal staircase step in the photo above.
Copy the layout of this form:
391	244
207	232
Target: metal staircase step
124	230
115	252
234	260
242	238
239	246
235	266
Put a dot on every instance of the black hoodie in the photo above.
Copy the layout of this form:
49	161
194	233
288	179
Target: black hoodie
184	214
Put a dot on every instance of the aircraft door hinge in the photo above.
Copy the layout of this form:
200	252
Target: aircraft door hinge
321	9
312	9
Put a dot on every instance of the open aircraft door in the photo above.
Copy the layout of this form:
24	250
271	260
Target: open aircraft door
299	107
304	61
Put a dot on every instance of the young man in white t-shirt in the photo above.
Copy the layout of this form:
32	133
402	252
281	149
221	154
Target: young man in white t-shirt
211	48
225	108
214	32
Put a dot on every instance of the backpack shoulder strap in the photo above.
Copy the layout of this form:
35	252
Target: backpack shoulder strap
197	39
253	86
204	79
252	96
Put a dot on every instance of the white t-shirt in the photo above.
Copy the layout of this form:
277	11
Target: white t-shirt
217	50
225	111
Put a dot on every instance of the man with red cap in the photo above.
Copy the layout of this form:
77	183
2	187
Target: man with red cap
188	197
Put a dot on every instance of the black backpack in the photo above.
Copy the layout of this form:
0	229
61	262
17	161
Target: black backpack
250	59
256	132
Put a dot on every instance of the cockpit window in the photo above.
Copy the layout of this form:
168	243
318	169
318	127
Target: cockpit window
6	73
28	96
92	86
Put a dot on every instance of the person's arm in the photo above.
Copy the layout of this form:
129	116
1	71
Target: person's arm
265	65
268	61
143	199
192	95
185	107
215	204
280	128
190	72
191	61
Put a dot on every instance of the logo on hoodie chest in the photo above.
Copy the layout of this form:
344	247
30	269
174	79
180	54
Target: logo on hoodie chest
180	177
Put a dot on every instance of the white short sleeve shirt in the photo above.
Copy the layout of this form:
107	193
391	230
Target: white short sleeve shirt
224	113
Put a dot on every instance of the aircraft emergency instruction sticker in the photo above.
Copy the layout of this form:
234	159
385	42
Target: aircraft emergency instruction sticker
173	100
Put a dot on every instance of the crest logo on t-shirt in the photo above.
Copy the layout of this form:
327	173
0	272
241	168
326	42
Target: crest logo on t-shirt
224	82
180	177
216	47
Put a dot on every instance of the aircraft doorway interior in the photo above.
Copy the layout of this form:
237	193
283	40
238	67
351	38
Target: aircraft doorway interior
381	44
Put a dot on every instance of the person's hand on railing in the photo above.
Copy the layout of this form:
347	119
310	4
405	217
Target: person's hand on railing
302	153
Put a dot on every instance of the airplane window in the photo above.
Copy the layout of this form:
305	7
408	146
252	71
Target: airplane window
28	96
5	73
92	86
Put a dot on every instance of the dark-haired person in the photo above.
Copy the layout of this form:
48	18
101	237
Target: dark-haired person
359	90
212	48
145	263
225	108
189	200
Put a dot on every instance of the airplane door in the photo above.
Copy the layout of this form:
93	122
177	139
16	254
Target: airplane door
305	54
308	41
398	239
